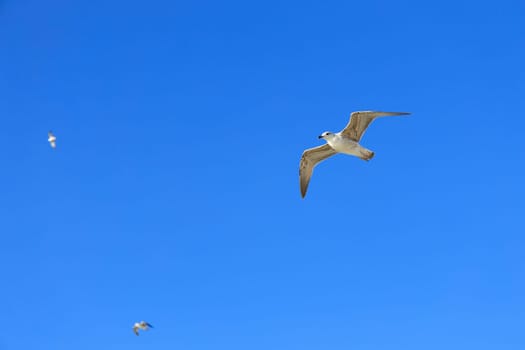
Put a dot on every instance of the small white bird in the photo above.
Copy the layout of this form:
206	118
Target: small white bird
141	325
345	141
51	139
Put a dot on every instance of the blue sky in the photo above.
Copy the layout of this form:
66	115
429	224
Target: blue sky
173	195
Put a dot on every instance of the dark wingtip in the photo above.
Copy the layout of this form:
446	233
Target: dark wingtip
385	113
399	113
303	192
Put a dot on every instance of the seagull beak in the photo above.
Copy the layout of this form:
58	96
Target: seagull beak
320	136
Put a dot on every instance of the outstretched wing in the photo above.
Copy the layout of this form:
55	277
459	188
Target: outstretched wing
149	325
310	158
136	330
359	121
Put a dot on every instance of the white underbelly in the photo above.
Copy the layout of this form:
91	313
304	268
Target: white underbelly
345	146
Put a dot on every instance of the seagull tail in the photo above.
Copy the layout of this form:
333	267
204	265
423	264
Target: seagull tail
366	154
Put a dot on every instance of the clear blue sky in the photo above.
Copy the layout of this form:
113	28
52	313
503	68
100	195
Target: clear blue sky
173	195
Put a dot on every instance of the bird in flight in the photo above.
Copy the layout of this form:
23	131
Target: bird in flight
345	141
51	139
141	325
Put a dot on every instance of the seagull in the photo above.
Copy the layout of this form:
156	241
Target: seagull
51	139
142	325
345	141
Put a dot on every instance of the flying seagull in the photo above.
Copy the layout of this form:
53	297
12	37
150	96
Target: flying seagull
345	141
141	325
51	139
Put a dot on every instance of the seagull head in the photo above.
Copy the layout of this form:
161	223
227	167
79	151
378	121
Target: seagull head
325	135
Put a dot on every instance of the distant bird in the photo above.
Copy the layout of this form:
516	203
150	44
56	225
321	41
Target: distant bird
345	141
141	325
51	139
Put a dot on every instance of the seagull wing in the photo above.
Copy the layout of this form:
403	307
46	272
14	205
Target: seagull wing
310	158
136	330
149	325
359	121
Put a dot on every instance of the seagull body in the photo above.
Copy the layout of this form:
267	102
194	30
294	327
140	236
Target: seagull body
346	141
51	139
141	325
345	145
